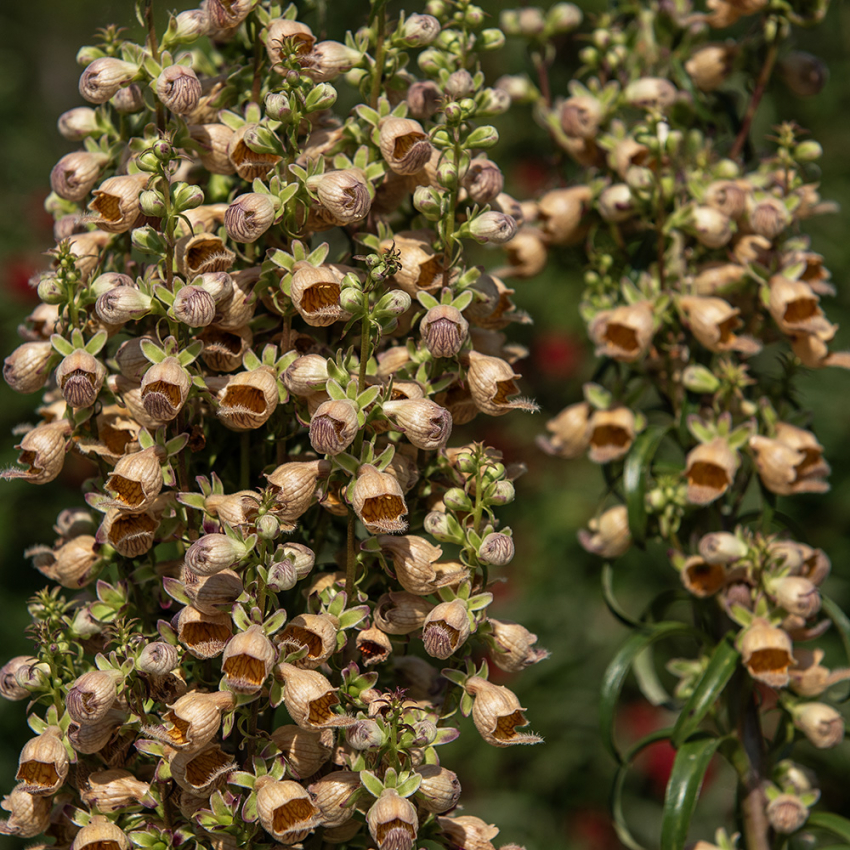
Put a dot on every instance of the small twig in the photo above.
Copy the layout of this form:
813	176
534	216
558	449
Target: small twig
756	826
258	63
377	79
153	45
755	100
542	68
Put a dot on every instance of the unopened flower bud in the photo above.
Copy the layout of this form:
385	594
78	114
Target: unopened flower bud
710	226
103	77
178	89
76	124
820	723
797	595
710	65
650	93
786	813
365	735
10	688
122	304
249	217
157	658
74	176
616	203
427	425
213	553
769	217
423	99
27	368
194	307
91	696
28	815
444	330
493	227
345	195
803	73
513	646
721	547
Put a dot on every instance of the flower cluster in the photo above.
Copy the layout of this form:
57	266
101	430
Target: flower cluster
697	275
259	327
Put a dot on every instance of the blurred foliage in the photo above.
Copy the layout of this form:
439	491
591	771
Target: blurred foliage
554	795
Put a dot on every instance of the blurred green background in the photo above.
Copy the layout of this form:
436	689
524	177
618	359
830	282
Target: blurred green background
553	795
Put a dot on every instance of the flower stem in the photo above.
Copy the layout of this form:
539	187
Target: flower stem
377	79
153	46
755	100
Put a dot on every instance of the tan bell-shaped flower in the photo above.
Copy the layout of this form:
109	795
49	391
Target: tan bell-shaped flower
43	764
400	612
294	485
115	206
130	534
309	698
249	216
392	821
91	696
211	143
136	480
80	376
115	789
786	813
421	266
710	65
193	720
414	560
286	809
792	462
607	535
492	384
404	145
28	815
794	307
769	217
374	646
334	426
88	738
469	832
820	723
710	469
797	595
157	658
224	349
439	790
42	453
378	501
204	635
513	647
569	432
305	750
247	661
713	322
731	197
202	253
284	38
315	295
201	772
767	653
611	434
10	689
497	714
165	388
623	333
561	214
236	509
331	793
703	578
248	399
427	425
73	564
212	594
446	629
249	165
27	368
318	632
75	175
810	678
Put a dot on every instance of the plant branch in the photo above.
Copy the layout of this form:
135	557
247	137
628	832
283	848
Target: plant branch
755	100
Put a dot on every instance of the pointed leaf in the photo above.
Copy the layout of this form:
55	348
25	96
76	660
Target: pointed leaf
371	783
275	622
683	789
723	663
96	343
833	823
634	477
62	345
618	669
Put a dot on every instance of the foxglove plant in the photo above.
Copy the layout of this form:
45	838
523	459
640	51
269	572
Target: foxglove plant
702	299
260	325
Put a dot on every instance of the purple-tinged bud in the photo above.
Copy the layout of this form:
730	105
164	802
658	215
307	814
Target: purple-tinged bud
249	217
103	77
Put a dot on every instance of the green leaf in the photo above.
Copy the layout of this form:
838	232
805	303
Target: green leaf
620	826
841	621
832	823
618	669
683	789
634	477
723	663
611	600
371	783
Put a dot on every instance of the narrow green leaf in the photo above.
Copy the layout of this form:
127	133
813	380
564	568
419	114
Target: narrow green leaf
634	477
620	825
835	824
618	669
723	663
647	679
611	601
683	789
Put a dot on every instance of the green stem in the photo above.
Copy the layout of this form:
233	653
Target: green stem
755	100
351	559
153	46
377	78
